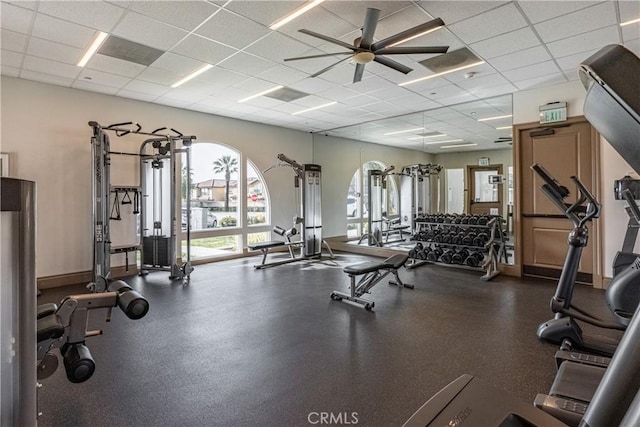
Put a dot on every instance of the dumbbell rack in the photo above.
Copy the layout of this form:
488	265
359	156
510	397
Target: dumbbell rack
491	248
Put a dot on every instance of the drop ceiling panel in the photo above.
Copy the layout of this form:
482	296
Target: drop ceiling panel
282	75
355	12
524	73
55	51
147	87
476	28
95	14
630	32
144	30
47	66
634	46
247	64
15	18
57	30
584	42
172	102
263	12
311	85
7	70
92	87
547	80
494	91
629	10
572	62
220	78
103	79
11	40
136	95
462	10
158	76
13	59
45	78
538	10
231	29
278	46
177	64
114	65
504	44
203	49
520	59
321	21
585	20
189	15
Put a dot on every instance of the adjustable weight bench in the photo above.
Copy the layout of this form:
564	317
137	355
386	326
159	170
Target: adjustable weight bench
372	272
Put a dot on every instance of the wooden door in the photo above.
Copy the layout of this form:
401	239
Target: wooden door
564	151
484	198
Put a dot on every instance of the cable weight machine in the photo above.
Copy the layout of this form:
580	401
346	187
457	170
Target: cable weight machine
158	190
415	189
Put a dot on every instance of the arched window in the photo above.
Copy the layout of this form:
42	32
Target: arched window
358	198
229	201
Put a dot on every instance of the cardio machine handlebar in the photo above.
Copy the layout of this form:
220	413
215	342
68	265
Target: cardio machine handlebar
557	193
633	206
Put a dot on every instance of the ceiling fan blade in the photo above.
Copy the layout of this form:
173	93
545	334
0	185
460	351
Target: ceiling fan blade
407	33
328	39
359	72
324	70
393	64
411	50
318	56
369	27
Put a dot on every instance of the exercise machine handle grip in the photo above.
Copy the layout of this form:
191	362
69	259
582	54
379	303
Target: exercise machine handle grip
593	207
293	163
558	191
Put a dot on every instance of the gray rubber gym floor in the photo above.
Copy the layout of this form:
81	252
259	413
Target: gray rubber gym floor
245	347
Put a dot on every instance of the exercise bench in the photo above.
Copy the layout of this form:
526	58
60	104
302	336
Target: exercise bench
372	272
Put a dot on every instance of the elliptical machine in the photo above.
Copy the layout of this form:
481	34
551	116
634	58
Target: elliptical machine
622	295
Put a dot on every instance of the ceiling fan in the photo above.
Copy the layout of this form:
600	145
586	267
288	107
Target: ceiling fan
364	50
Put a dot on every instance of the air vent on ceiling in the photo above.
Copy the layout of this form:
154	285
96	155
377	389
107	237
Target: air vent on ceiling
129	51
449	61
286	94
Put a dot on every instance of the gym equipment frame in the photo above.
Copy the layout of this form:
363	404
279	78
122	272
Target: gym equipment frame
308	187
415	192
175	143
372	273
377	235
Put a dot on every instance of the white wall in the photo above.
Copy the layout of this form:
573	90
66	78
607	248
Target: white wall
526	102
46	129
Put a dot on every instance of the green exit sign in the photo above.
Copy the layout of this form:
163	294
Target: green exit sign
553	112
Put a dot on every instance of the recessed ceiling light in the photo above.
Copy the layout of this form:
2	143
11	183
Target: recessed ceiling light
314	108
293	15
486	119
441	74
442	142
273	89
633	21
192	75
458	145
403	131
97	41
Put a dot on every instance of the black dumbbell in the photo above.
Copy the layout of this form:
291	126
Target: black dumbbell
483	220
467	239
473	220
457	239
460	256
434	254
446	238
480	239
447	256
474	259
464	220
413	254
424	253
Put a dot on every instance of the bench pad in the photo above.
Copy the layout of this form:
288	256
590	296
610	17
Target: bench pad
363	268
49	327
396	261
266	245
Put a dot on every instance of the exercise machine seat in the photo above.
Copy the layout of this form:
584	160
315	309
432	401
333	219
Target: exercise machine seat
363	268
266	245
44	310
396	261
49	327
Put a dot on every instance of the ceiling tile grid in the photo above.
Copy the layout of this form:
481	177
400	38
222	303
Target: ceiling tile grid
525	44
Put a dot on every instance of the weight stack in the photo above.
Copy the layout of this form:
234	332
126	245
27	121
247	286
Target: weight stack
156	251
